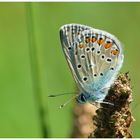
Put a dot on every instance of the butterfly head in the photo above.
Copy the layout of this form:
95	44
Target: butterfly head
95	96
81	98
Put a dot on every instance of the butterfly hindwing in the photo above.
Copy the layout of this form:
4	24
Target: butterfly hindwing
106	55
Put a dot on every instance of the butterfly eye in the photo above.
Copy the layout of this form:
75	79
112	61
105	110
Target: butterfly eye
83	99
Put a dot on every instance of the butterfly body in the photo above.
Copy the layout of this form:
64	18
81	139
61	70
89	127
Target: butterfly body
94	57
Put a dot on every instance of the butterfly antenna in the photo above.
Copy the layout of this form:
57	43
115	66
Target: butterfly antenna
60	94
68	101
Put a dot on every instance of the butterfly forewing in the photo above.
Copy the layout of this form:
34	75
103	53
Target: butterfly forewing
94	56
70	36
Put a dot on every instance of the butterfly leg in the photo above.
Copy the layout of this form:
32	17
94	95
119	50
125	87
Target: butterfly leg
103	102
95	104
98	103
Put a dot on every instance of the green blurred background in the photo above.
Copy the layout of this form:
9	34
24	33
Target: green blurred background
32	64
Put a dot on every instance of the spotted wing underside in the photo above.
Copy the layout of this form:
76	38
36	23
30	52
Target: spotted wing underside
94	56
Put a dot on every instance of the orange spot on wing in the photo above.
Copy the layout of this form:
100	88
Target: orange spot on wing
81	45
115	52
93	39
100	41
107	45
87	39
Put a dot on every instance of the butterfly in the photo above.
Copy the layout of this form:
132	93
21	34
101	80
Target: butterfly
94	57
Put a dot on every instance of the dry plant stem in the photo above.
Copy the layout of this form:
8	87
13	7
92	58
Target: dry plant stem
82	120
114	121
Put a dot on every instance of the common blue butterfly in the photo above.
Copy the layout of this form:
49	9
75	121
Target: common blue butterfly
95	58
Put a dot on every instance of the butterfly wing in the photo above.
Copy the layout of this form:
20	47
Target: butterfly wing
70	35
94	56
